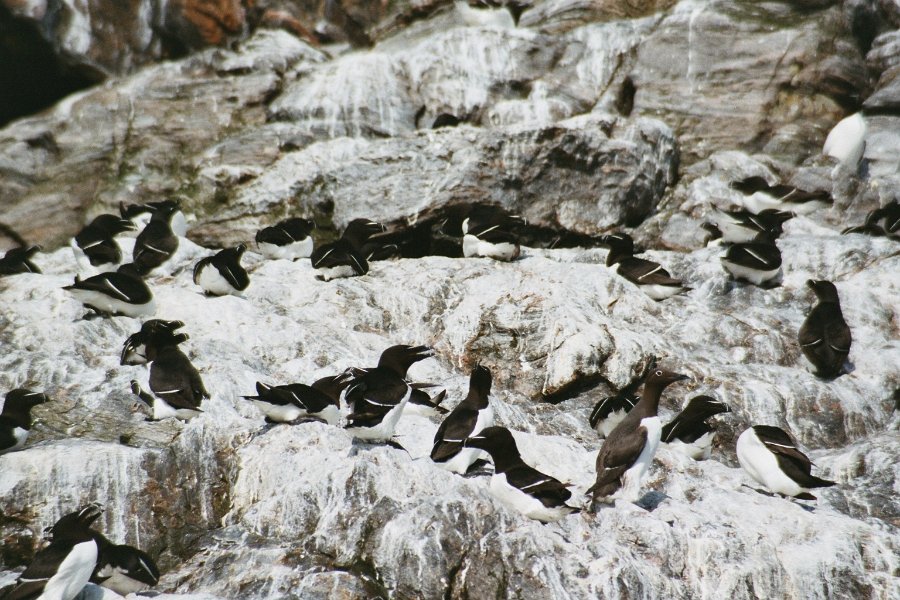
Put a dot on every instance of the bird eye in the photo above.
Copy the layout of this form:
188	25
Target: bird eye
658	373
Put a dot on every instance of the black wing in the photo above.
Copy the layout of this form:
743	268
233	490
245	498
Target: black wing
453	431
764	257
174	379
609	405
618	453
117	285
550	491
154	245
645	272
375	393
231	271
306	397
791	460
339	254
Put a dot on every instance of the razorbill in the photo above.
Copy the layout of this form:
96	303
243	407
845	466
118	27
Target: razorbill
18	260
156	243
15	419
649	276
222	273
771	457
95	247
610	411
61	570
176	384
884	221
846	141
422	404
155	332
121	292
759	195
744	225
297	402
343	257
688	432
289	239
468	418
124	569
626	454
824	336
377	396
141	214
518	485
758	262
491	234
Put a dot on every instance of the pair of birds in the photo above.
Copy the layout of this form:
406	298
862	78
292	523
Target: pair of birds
78	554
176	386
15	418
880	222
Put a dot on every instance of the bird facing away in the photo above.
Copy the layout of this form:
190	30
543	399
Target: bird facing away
95	247
824	336
758	262
155	333
626	454
122	292
492	234
222	273
343	257
15	419
289	239
468	418
518	485
18	260
376	397
176	385
297	402
688	432
422	404
61	570
760	195
157	242
141	214
649	276
770	456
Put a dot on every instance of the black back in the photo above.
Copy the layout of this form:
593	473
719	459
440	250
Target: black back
459	424
690	424
17	407
824	336
155	244
175	379
285	232
372	393
791	460
122	285
787	193
18	260
337	254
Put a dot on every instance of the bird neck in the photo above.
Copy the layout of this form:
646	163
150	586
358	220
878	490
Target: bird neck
648	405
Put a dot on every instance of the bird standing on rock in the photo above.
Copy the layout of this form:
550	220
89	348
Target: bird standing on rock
688	432
157	242
824	336
468	418
15	419
757	261
629	449
154	333
95	247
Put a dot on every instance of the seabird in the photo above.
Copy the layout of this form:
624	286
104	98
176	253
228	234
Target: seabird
518	485
743	225
157	242
15	419
95	247
18	260
297	402
771	457
289	239
688	432
649	276
846	141
155	332
343	257
611	411
141	214
121	292
824	336
467	419
884	221
492	234
760	195
626	454
422	404
758	262
377	396
222	273
176	384
61	570
124	569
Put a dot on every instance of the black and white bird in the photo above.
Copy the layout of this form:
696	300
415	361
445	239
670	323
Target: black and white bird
124	569
297	402
758	262
743	225
688	432
629	449
95	247
15	419
222	273
491	234
649	276
176	384
155	332
770	456
157	242
610	411
289	239
846	141
141	214
377	396
121	292
61	570
518	485
759	195
825	336
423	404
467	419
18	260
343	257
884	221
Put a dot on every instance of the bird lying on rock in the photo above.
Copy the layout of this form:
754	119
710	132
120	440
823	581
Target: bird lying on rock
18	260
649	276
770	456
289	239
122	292
297	402
343	257
688	432
222	273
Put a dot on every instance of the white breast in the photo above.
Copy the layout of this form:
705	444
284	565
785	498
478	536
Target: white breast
762	465
293	251
73	573
384	430
120	582
847	140
212	282
699	449
106	304
280	413
631	480
751	275
518	500
338	272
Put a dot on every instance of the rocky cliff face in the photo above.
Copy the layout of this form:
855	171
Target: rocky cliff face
584	118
